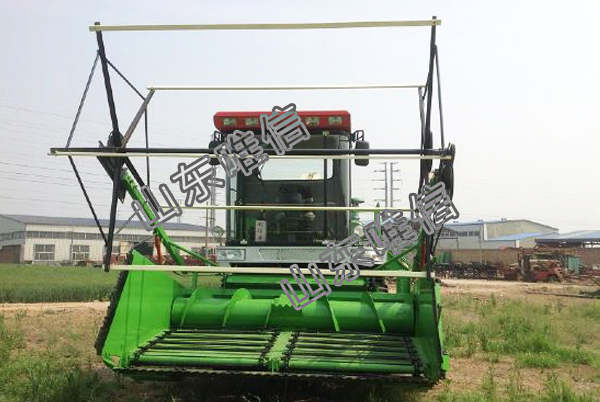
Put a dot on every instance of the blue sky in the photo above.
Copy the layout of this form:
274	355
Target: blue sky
520	88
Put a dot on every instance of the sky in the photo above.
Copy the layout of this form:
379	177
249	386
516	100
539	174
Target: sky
520	84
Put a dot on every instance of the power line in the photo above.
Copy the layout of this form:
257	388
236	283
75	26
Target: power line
82	119
49	177
47	168
51	182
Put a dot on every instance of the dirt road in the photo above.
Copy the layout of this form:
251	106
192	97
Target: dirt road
512	289
95	305
450	286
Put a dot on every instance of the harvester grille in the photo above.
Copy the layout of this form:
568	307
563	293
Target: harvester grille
277	353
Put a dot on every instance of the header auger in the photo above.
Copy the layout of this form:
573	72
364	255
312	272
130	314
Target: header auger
232	317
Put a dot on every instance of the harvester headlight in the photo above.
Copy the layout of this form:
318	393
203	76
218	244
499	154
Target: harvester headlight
251	121
334	120
231	254
313	121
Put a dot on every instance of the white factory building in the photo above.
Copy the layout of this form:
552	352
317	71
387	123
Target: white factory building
492	234
59	240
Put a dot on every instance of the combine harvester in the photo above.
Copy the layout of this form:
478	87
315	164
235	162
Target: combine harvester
173	320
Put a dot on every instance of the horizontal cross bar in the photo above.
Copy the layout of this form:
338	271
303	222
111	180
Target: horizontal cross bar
308	25
262	270
289	208
298	152
277	87
198	155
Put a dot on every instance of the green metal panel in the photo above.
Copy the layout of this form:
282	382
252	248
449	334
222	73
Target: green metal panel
143	311
573	264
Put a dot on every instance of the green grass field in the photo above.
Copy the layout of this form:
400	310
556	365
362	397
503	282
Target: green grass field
504	349
44	283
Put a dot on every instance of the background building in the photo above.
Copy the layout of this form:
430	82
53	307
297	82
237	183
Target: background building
41	239
498	240
496	234
578	239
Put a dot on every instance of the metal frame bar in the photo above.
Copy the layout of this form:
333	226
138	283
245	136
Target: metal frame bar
288	208
118	142
82	101
262	270
307	25
294	152
116	138
138	116
279	87
127	154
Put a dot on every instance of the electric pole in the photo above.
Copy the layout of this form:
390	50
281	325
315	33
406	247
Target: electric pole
385	184
392	180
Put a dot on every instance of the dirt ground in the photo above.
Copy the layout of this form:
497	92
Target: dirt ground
72	328
511	289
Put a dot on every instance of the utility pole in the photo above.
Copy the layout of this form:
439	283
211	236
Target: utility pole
392	179
385	184
209	216
179	216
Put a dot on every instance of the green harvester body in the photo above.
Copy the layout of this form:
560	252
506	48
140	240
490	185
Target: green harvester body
232	316
161	324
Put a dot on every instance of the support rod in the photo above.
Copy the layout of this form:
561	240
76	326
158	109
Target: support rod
294	152
195	155
263	270
138	116
288	208
278	87
310	25
116	141
109	93
198	155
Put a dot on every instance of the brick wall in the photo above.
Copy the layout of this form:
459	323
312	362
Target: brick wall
491	256
589	256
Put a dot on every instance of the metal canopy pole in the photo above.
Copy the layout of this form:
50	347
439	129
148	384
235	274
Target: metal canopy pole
279	87
375	273
439	95
115	138
220	27
141	112
426	167
292	154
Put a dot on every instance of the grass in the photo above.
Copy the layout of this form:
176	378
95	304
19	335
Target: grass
51	375
44	283
555	390
541	335
519	350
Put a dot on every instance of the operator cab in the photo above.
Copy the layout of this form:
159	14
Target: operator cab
281	237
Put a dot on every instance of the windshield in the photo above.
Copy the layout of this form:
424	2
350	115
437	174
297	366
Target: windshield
298	182
301	169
